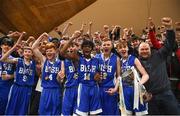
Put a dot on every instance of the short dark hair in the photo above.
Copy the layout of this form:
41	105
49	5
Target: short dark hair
122	44
87	42
7	40
134	37
55	41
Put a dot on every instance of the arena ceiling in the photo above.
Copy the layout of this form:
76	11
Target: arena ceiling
37	16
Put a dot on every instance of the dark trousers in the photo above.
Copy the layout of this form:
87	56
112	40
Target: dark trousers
34	105
163	103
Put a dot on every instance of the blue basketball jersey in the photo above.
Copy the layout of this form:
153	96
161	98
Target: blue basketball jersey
71	73
6	68
5	85
108	70
25	73
128	87
87	70
49	74
127	64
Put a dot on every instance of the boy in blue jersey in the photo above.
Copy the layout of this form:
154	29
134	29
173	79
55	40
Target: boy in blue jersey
71	85
110	69
88	101
6	74
20	93
50	101
127	62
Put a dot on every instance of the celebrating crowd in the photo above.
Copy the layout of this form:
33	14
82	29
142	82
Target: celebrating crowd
113	72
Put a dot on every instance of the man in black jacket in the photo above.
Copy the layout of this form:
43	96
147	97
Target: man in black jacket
163	101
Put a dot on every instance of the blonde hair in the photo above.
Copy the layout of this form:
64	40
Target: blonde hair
106	39
122	44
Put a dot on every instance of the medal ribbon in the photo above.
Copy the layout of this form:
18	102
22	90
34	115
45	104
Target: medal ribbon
105	65
25	68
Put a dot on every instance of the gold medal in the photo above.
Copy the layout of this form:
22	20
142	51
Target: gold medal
4	72
104	75
87	77
46	78
75	75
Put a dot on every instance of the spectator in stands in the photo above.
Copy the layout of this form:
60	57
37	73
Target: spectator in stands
163	100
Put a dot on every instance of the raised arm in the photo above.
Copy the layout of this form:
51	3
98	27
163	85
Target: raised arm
89	30
58	31
30	40
82	28
152	36
156	44
170	38
118	32
14	34
5	56
125	34
106	30
113	34
35	49
74	56
66	28
143	72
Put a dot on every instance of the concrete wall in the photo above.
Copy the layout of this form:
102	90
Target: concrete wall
127	13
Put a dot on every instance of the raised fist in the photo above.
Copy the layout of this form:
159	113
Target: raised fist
76	34
150	23
90	23
167	22
70	23
14	34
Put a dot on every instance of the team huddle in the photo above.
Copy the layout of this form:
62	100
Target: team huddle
95	77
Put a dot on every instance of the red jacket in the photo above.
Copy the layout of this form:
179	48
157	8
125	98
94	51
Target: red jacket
156	44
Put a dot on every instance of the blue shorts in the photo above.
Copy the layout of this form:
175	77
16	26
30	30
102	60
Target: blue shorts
88	101
4	92
69	101
50	101
129	101
109	103
19	99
